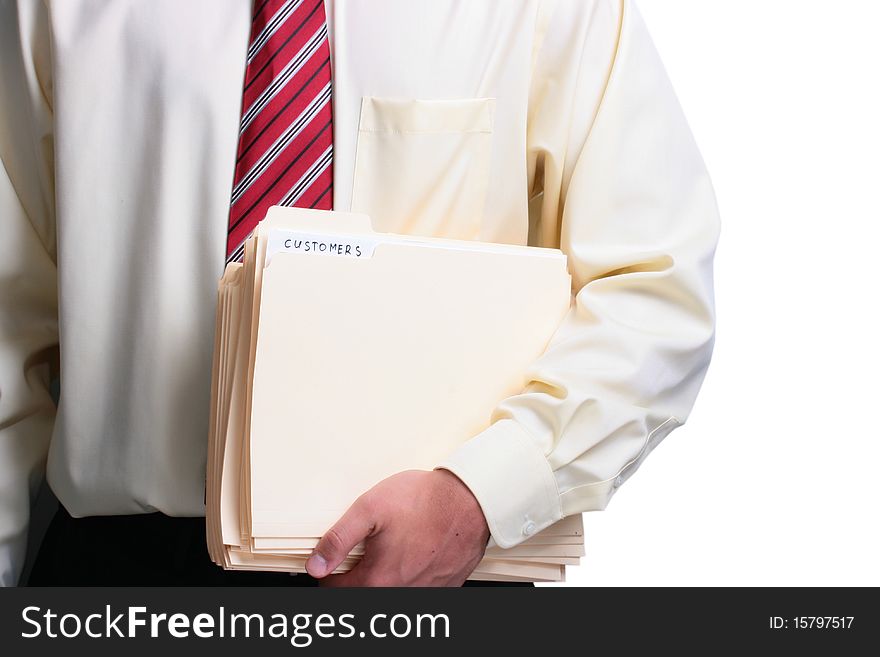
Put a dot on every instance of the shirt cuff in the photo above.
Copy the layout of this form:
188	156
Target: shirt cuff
512	480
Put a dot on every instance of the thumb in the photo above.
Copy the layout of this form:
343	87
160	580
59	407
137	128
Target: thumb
354	526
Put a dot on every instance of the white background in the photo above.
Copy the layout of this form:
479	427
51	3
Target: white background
774	479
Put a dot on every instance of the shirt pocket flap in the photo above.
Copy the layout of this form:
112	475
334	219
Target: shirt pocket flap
422	166
418	116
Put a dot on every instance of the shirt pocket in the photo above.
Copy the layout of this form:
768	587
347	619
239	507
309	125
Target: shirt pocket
422	166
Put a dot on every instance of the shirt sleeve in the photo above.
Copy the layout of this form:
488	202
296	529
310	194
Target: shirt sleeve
620	187
28	298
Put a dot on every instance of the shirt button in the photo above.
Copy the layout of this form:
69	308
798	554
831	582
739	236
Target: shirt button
618	482
529	528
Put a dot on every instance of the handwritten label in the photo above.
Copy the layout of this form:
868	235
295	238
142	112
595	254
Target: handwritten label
319	244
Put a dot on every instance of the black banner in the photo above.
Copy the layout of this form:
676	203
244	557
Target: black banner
519	621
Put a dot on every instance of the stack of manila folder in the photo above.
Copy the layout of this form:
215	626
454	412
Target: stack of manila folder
343	356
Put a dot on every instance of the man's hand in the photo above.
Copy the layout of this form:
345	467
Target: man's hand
419	529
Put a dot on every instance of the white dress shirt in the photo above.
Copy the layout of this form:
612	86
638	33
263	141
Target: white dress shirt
547	122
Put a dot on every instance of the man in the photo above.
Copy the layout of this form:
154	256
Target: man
123	126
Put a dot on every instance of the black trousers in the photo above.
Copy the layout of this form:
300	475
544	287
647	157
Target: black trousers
141	550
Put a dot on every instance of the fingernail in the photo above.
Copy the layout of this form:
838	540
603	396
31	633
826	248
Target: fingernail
316	565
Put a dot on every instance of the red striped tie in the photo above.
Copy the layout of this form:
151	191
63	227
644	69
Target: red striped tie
285	148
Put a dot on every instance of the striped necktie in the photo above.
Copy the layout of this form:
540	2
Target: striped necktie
285	148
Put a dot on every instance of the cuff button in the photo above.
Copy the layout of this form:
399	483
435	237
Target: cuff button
529	528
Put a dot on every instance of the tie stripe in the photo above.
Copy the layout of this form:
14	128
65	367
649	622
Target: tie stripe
271	28
283	45
309	177
320	190
281	143
257	196
258	200
285	151
259	5
282	112
274	125
312	191
284	77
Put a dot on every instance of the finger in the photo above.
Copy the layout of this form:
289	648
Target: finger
355	525
368	571
354	577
